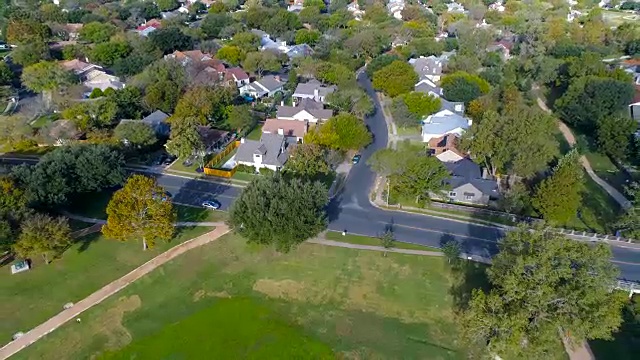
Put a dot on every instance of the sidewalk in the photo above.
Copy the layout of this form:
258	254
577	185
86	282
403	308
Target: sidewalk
97	297
568	135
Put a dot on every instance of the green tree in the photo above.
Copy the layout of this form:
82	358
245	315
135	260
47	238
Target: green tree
45	77
317	3
280	211
136	133
43	235
97	32
380	62
7	236
140	210
167	5
259	61
71	170
26	30
162	95
205	103
464	87
614	134
231	54
6	75
590	99
420	104
14	129
31	53
387	239
185	140
98	113
171	39
341	132
401	114
310	37
451	250
395	79
368	43
240	117
421	176
108	53
246	41
426	47
629	223
541	283
309	161
213	24
558	197
281	22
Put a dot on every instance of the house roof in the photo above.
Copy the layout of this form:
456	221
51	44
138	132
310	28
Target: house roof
444	122
238	73
288	127
300	50
449	141
269	145
310	87
155	117
425	66
312	107
194	55
210	136
77	65
270	83
208	76
465	172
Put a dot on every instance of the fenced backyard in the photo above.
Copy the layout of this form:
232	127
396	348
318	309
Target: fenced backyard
214	167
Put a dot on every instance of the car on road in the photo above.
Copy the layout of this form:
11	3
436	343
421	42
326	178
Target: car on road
169	160
211	204
356	159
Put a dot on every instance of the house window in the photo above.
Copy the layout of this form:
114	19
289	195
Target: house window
469	196
452	194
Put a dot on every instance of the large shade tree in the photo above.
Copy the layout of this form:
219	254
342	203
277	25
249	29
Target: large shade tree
395	79
280	210
43	235
141	210
541	284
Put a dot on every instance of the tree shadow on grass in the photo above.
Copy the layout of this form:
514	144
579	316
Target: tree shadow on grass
86	241
468	275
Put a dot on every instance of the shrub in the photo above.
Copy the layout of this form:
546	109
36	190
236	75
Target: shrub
96	93
266	172
246	169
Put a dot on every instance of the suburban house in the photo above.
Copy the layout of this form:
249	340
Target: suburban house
395	8
293	131
307	110
354	9
92	76
265	87
190	57
502	47
148	27
209	70
280	46
269	152
634	107
445	148
442	123
213	139
313	90
158	121
67	32
426	86
467	184
237	75
428	67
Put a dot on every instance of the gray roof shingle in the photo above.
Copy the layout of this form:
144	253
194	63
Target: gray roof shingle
270	146
466	171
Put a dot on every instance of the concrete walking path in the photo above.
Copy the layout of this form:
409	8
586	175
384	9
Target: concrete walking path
568	135
97	297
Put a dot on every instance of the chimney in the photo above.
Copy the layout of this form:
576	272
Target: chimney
316	94
458	108
282	103
277	77
280	131
241	140
470	122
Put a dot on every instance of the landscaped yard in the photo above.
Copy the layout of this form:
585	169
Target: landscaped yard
256	133
232	300
93	261
243	176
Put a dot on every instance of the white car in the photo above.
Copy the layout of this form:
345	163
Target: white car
211	204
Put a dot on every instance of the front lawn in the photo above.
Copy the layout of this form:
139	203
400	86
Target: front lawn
34	296
233	300
255	134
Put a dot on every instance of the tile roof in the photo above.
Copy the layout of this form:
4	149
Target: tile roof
238	73
288	127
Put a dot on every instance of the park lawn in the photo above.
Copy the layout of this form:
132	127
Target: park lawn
93	261
359	303
199	214
598	212
367	240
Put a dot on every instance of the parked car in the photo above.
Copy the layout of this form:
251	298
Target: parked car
356	159
211	204
170	159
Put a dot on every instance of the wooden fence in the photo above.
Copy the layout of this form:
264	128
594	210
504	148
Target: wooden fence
209	168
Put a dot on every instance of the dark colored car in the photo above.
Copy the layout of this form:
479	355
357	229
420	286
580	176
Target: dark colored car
169	160
356	159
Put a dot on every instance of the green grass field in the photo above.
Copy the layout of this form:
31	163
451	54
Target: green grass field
256	133
366	240
233	300
34	296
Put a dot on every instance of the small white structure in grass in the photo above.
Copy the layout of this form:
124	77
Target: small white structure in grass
19	267
17	335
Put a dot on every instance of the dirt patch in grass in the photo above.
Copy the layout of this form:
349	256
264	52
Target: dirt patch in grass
109	323
284	289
